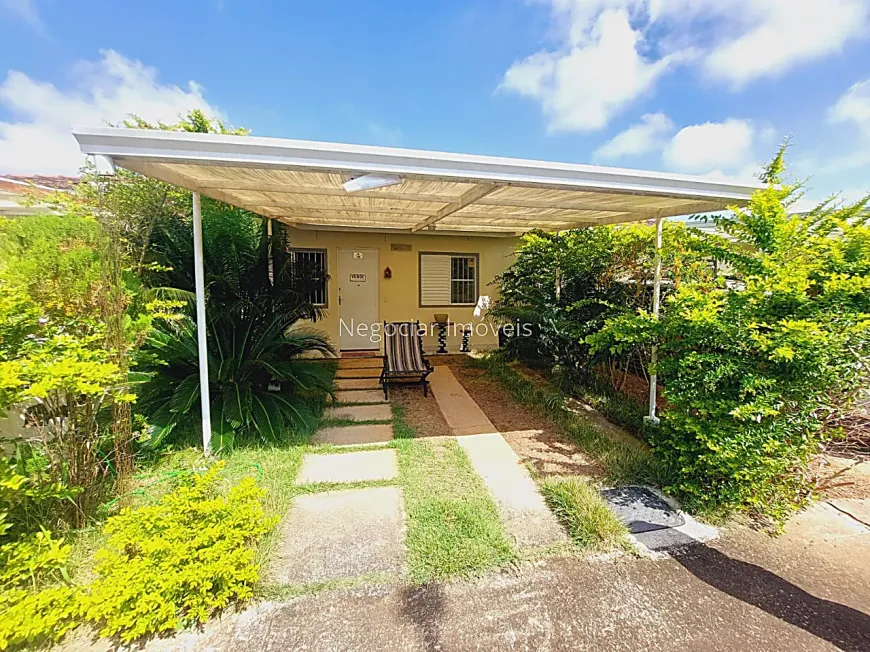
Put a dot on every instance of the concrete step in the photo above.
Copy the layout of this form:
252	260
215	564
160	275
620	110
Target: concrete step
361	412
354	435
365	372
357	383
360	466
361	396
360	363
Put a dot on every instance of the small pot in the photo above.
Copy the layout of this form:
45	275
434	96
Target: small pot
441	317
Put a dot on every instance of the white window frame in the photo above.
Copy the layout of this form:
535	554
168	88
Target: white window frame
450	255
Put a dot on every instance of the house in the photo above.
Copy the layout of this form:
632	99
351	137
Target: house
18	191
404	234
376	277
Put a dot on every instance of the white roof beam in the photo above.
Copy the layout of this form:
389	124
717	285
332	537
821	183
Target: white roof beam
466	199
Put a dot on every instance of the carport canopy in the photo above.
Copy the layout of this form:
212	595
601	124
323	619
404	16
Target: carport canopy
300	183
303	184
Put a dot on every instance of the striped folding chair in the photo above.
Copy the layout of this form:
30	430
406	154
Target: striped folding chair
403	355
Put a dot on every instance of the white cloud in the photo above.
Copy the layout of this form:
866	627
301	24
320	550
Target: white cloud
611	52
717	148
107	90
785	33
582	86
26	11
646	136
854	106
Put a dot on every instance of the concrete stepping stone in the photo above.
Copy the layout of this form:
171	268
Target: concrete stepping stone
357	383
523	512
360	412
342	534
360	363
354	435
359	466
360	396
365	372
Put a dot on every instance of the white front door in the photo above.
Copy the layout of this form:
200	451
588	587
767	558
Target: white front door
358	298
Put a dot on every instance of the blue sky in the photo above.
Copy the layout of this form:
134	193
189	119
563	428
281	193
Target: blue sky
696	86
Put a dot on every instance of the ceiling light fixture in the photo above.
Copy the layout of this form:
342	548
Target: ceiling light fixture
370	181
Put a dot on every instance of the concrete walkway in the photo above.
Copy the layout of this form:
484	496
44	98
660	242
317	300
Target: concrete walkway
523	512
463	415
360	392
352	533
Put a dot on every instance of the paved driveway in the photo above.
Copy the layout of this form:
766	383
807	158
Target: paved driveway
808	590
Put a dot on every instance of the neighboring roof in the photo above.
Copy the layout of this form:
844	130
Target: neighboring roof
300	183
13	182
14	189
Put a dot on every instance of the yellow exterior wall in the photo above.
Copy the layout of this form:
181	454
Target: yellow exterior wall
400	295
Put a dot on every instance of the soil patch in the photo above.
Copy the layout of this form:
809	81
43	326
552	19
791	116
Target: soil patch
538	443
839	477
421	413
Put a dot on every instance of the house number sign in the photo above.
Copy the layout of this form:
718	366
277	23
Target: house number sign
357	278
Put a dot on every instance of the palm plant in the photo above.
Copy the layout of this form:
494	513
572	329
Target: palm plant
258	384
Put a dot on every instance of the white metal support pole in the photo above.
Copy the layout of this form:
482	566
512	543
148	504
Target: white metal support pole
271	263
657	295
201	326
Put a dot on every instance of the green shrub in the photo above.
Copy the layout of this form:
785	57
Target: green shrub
752	369
583	512
175	563
563	286
255	337
31	500
54	354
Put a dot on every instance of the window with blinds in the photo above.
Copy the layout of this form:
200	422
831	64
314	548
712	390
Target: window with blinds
448	279
309	274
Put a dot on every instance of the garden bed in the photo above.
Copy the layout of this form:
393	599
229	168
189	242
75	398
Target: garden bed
420	412
537	441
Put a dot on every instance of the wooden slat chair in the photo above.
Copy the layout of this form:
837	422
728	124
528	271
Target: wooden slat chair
403	355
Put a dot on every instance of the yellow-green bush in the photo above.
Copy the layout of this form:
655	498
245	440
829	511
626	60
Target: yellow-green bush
175	563
34	604
165	566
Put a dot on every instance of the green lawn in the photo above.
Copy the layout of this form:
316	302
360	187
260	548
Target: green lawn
581	509
453	524
453	527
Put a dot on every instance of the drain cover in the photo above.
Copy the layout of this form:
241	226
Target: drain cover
641	510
